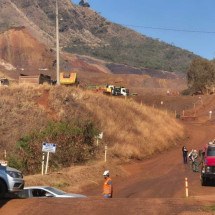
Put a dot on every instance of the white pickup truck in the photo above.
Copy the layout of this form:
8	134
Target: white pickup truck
11	180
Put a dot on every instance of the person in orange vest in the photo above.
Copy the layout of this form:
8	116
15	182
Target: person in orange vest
107	186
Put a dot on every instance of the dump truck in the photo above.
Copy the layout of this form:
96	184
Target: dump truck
35	79
116	90
68	78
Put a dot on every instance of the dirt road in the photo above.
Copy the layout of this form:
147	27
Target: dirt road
155	186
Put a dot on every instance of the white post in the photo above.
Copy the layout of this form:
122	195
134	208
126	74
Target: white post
43	158
57	46
183	112
5	154
47	163
210	114
97	141
106	153
186	187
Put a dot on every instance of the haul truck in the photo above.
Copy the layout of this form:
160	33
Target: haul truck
116	91
208	163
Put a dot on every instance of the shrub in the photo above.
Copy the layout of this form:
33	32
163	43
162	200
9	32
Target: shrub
75	144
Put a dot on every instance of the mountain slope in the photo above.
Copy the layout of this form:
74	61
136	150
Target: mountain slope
84	31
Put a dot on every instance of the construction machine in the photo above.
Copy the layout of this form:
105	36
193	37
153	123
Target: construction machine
116	91
84	3
4	82
68	78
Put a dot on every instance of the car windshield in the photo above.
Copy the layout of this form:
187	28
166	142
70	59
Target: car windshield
56	191
211	151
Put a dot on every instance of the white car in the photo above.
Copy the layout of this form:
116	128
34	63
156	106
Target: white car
11	181
45	191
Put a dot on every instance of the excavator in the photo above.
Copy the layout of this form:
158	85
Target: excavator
84	3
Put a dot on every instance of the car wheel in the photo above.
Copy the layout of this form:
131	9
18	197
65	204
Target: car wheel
3	189
203	181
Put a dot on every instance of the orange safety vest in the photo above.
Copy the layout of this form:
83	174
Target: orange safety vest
107	186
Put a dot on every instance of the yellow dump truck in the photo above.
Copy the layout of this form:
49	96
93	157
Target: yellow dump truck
68	78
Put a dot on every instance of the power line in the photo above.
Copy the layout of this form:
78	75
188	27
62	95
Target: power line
171	29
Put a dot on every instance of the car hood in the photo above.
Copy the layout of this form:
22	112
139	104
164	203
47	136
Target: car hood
210	161
11	169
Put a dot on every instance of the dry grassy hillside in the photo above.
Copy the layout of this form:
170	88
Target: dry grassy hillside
131	130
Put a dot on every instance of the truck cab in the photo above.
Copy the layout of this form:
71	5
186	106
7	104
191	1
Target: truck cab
116	91
208	163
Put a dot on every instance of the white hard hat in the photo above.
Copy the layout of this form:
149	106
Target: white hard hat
106	172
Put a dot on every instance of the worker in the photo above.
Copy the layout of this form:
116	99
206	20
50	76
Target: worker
184	153
193	155
107	186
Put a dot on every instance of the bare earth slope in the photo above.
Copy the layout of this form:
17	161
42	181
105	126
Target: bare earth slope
155	186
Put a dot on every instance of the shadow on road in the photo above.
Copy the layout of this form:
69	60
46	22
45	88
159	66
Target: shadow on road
210	183
7	198
4	202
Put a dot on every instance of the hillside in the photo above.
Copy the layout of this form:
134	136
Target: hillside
84	31
71	118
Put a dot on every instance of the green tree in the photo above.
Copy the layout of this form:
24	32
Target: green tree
201	75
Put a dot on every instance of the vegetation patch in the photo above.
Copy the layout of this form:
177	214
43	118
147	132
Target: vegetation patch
75	144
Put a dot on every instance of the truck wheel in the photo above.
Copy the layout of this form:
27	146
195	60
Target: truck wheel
203	181
3	189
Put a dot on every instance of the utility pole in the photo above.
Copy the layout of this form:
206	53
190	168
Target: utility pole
57	45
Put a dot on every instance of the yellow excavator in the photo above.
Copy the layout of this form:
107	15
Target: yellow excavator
68	78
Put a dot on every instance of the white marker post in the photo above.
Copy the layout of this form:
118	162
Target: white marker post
5	154
186	188
106	153
210	114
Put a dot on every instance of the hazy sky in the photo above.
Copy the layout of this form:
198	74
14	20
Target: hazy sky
188	24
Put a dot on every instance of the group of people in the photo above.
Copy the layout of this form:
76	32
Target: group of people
193	158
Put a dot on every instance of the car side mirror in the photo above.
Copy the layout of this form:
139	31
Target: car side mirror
49	195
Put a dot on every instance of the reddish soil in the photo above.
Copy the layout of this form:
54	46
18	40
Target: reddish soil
154	186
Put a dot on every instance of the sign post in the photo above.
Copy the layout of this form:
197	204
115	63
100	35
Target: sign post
47	162
100	136
43	159
49	148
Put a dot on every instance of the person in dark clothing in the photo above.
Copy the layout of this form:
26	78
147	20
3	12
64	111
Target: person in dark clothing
184	152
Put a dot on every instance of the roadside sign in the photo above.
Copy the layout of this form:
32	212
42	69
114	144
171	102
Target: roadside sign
49	147
100	136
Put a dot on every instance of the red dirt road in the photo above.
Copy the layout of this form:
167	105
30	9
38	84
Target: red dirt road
154	186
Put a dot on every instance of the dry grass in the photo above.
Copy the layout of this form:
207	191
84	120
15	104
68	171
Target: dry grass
131	130
75	178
